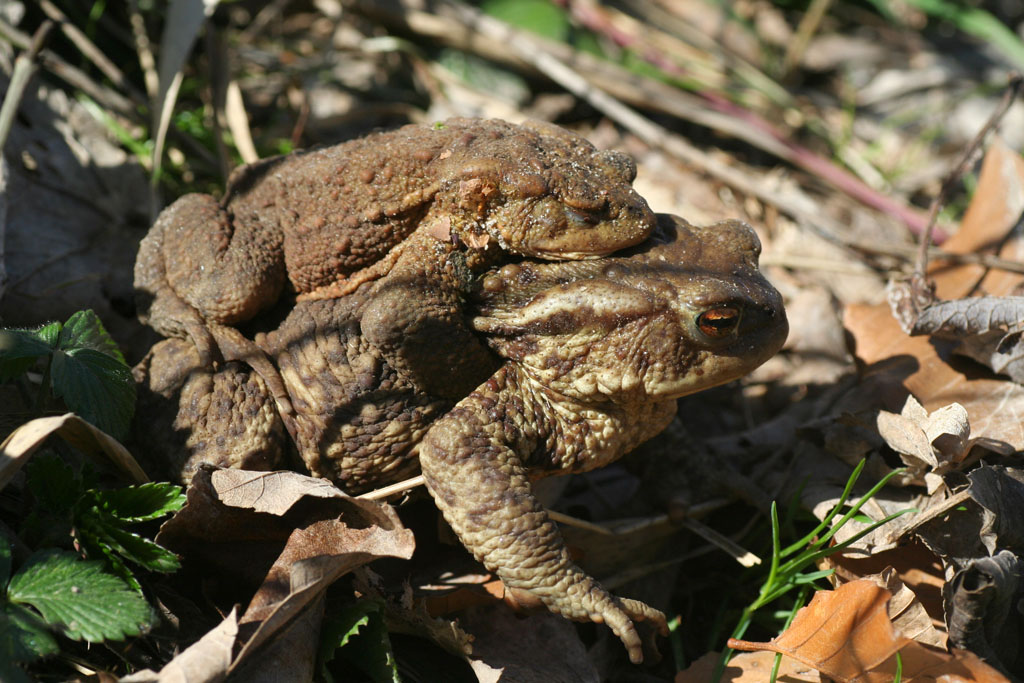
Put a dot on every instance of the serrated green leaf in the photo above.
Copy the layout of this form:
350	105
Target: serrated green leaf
93	549
539	16
140	503
363	621
23	636
53	483
107	533
78	597
97	386
49	334
84	330
19	350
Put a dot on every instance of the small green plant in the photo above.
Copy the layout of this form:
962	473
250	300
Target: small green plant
80	364
79	539
786	572
56	591
361	623
99	521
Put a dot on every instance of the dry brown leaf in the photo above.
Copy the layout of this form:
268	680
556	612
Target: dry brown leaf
204	661
20	444
908	615
924	665
992	214
986	329
296	551
916	566
930	445
995	407
317	555
981	609
843	633
271	492
846	634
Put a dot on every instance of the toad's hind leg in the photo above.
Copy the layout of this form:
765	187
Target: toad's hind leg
199	264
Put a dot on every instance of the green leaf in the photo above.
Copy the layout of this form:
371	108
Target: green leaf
19	349
140	503
80	598
978	23
485	76
97	386
23	637
84	330
107	534
372	653
539	16
90	545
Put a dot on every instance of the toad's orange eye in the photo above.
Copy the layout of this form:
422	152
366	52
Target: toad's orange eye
719	322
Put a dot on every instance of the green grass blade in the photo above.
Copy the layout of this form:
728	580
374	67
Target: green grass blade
850	482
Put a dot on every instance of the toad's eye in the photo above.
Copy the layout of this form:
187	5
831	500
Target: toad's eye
719	322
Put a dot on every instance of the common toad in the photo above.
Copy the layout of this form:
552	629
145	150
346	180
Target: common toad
329	220
592	356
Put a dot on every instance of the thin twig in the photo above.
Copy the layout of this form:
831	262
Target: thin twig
808	26
144	49
24	68
1012	90
399	487
73	76
569	520
91	52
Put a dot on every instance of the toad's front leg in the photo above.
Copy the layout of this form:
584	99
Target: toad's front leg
473	468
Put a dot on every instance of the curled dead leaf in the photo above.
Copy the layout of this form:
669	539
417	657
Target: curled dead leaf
847	634
20	444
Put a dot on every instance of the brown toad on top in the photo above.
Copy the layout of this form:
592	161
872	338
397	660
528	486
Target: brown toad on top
593	355
330	219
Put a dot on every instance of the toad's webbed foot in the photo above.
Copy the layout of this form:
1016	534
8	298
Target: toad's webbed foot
583	599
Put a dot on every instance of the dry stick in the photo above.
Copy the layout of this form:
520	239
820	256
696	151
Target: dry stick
71	75
748	72
24	67
1012	90
144	49
91	52
399	487
808	27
